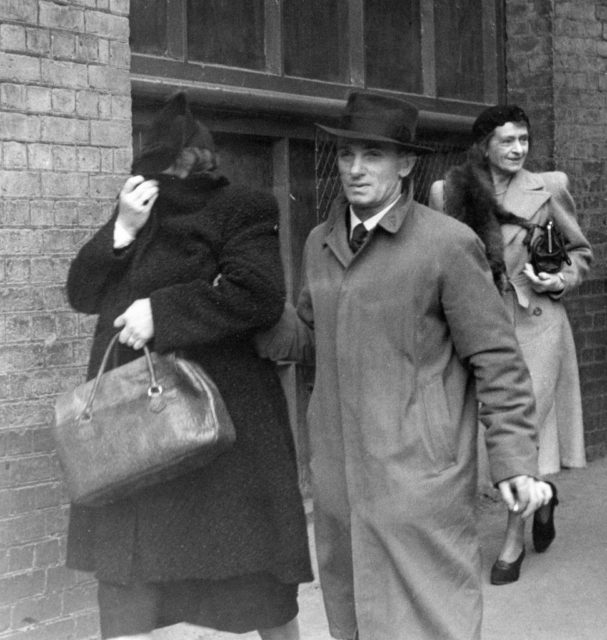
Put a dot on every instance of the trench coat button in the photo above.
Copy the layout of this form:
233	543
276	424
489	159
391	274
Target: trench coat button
537	311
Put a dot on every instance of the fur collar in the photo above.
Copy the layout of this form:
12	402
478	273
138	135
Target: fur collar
470	197
179	196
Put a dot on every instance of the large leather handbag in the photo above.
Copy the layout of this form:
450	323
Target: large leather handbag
547	250
141	423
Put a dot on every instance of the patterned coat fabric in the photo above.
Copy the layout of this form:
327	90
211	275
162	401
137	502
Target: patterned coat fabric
208	259
540	320
402	329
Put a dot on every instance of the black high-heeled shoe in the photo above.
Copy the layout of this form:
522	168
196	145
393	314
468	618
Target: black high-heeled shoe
543	533
503	572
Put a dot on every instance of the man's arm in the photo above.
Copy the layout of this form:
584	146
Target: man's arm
290	339
484	339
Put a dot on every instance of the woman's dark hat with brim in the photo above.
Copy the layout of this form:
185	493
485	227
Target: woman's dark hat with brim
173	129
370	116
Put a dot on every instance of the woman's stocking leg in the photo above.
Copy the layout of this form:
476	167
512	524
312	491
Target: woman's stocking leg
514	538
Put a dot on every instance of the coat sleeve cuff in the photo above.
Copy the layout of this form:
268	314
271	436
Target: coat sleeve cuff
504	468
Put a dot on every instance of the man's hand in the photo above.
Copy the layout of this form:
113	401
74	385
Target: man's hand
524	494
137	324
544	282
135	202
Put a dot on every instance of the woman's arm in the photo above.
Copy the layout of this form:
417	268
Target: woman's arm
247	295
95	268
562	210
99	262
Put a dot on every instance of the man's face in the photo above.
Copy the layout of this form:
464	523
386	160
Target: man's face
508	147
371	174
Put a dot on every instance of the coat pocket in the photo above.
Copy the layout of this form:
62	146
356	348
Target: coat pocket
438	430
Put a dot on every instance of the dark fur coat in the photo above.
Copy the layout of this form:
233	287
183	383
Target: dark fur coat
209	261
470	197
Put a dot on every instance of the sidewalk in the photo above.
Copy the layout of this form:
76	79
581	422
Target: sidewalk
561	594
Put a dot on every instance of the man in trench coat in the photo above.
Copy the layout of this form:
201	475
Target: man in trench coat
410	337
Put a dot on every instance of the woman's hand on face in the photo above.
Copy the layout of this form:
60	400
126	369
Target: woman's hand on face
137	324
135	202
543	282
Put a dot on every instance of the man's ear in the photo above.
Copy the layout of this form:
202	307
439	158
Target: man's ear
407	162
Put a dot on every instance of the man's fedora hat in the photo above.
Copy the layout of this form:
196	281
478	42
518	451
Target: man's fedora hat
370	116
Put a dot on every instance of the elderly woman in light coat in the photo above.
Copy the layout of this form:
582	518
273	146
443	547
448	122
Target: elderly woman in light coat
485	192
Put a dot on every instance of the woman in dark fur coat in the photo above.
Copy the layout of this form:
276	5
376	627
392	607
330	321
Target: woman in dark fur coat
506	204
189	262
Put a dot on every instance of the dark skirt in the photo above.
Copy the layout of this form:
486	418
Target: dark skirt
236	605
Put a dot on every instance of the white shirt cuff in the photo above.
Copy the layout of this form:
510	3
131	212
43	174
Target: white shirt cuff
122	237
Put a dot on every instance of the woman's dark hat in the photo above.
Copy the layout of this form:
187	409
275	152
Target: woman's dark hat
173	129
497	116
370	116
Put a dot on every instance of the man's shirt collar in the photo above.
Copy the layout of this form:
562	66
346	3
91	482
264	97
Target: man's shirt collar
371	222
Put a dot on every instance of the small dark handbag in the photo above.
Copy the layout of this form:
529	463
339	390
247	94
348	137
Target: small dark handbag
547	250
145	422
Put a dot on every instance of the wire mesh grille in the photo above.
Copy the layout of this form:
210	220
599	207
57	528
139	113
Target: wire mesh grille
325	169
433	166
429	167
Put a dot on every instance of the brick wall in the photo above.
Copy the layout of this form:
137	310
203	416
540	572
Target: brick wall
65	130
556	62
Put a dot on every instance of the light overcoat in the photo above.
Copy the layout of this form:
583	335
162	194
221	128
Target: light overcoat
402	330
541	324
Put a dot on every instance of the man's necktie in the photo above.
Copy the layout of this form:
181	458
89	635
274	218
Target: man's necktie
359	234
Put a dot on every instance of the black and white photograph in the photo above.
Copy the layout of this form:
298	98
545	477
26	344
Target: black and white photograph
303	319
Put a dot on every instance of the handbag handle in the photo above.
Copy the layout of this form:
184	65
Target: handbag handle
154	389
549	234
